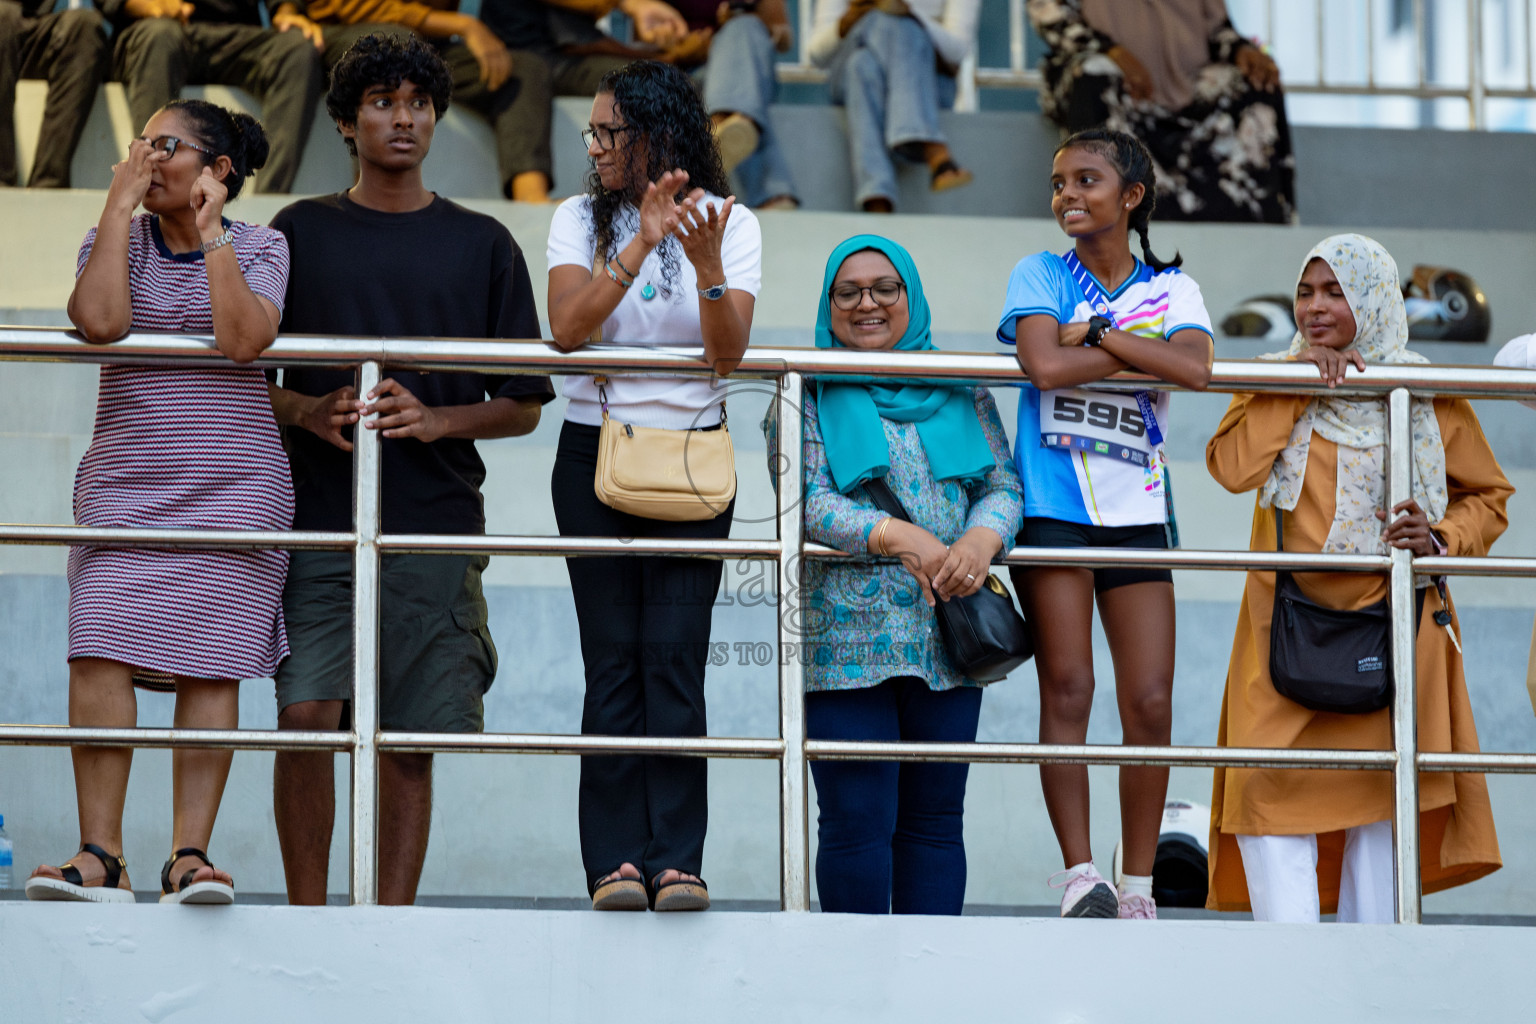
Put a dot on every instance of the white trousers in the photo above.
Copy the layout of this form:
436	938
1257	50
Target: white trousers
1282	876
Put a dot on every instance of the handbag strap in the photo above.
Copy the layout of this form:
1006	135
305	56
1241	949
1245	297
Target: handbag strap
1280	543
885	499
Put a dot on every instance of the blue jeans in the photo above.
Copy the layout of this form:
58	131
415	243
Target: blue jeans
891	834
739	78
886	75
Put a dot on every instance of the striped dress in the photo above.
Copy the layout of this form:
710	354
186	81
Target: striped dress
183	448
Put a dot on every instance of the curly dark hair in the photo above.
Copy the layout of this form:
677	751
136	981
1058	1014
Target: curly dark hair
660	103
231	133
1131	160
385	58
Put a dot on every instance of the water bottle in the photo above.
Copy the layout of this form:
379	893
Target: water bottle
5	857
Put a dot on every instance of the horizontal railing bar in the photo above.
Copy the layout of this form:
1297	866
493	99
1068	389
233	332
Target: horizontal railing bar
19	533
1505	764
1100	754
1488	566
223	739
569	547
1099	558
58	344
544	743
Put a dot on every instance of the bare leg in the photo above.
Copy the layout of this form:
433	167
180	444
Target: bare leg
100	696
198	776
1139	622
304	802
405	821
1059	603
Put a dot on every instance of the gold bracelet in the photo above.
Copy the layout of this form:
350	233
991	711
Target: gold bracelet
880	536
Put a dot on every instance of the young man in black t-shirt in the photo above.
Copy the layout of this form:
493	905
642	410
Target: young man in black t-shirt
390	258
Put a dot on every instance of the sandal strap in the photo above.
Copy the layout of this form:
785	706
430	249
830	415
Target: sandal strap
112	865
186	876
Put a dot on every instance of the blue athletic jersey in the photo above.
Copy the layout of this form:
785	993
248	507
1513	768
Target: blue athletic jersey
1078	486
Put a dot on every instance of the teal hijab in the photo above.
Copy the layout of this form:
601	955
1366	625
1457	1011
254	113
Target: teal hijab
851	409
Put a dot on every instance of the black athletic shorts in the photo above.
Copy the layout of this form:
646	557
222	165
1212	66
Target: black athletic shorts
1040	532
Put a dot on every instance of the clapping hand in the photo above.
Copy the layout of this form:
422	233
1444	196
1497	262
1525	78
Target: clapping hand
701	231
1138	81
1257	66
659	212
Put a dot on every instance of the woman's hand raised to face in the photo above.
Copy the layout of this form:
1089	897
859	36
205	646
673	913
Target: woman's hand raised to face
131	178
659	212
208	196
701	232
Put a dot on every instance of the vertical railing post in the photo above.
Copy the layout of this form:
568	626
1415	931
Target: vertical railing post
365	653
794	854
1405	730
1477	116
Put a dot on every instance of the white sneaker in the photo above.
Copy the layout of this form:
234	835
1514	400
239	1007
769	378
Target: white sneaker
1087	893
1136	907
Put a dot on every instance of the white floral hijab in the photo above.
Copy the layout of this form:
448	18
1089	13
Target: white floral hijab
1358	426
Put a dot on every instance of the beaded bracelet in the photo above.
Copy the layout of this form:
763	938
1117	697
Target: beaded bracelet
616	278
620	262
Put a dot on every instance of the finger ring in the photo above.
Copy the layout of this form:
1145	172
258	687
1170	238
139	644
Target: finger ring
969	577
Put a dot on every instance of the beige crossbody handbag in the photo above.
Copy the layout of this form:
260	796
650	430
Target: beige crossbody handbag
675	475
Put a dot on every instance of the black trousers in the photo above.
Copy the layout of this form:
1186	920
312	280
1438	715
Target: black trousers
69	50
645	643
155	57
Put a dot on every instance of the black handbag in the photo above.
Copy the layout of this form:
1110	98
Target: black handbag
984	635
1327	659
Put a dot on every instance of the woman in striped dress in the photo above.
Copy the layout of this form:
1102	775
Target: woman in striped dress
174	448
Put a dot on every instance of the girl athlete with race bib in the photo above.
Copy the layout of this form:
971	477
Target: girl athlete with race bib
1094	476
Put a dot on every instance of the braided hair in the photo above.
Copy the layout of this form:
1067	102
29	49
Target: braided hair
231	133
1130	159
659	102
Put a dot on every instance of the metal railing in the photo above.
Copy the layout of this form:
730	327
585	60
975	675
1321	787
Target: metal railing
1421	81
790	368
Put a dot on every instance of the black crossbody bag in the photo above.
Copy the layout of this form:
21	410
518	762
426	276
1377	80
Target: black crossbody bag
984	634
1327	659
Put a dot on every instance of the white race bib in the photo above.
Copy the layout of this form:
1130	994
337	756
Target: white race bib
1104	423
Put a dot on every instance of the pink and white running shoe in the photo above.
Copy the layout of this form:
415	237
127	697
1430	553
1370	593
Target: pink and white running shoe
1136	907
1087	893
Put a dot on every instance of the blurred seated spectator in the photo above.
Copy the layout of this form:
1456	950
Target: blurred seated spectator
1177	75
480	64
68	49
559	50
892	64
162	45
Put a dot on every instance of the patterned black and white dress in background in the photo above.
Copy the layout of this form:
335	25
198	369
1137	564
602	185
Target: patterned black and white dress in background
1225	156
182	449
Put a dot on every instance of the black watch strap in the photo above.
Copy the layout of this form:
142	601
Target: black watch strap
1098	326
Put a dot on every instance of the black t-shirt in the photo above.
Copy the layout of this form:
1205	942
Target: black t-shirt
443	272
535	25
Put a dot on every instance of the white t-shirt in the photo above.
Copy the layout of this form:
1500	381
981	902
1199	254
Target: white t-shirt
662	321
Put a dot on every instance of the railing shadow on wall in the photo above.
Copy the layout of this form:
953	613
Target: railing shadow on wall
789	368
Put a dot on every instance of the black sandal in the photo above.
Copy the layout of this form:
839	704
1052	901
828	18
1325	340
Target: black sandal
948	175
682	894
72	888
188	891
613	892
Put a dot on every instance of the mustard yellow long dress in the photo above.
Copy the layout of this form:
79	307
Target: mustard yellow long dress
1457	840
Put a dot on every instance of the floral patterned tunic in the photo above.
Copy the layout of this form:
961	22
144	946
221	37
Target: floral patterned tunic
863	621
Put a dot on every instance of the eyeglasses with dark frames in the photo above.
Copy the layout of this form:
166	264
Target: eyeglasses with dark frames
169	144
848	295
607	135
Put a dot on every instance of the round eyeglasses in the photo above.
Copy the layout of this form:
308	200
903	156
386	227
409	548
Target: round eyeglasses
849	296
169	144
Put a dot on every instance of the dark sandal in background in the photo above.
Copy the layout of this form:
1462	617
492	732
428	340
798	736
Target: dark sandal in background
72	888
187	891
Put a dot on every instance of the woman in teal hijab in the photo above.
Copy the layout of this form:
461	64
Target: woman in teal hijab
890	834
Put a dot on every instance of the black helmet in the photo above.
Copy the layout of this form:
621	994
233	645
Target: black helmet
1263	318
1445	305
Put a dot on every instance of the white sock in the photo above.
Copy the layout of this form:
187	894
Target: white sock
1136	885
1083	868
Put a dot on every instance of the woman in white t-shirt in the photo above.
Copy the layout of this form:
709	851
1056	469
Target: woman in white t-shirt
651	255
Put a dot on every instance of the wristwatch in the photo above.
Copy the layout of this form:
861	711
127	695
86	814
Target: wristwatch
714	293
218	242
1098	326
